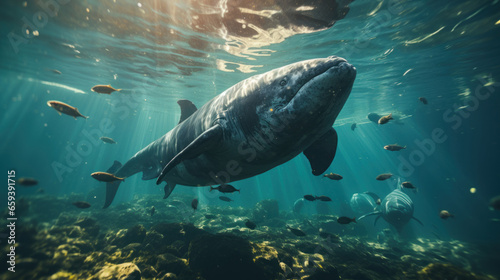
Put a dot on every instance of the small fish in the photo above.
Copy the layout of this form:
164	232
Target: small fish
385	119
108	140
105	177
383	176
210	216
409	185
225	198
55	71
333	176
323	198
327	235
65	109
225	189
445	214
81	204
27	182
379	201
40	190
353	126
495	203
309	197
295	231
394	147
251	225
345	220
152	211
194	204
423	100
105	89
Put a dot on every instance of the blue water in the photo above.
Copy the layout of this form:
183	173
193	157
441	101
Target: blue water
159	52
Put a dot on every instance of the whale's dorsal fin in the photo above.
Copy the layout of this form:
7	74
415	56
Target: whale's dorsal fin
187	109
205	142
321	153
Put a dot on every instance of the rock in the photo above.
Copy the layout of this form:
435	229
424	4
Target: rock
89	225
170	263
84	246
64	250
63	275
178	231
85	222
266	209
154	242
225	257
308	247
445	271
132	246
135	234
149	272
65	219
94	258
169	276
75	232
124	271
326	272
26	264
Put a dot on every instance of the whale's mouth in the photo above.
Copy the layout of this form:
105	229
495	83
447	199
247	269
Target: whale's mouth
339	66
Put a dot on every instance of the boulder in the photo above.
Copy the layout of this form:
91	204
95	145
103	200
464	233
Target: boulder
124	271
228	257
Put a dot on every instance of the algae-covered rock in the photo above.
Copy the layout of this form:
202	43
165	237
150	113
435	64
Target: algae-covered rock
124	271
169	276
63	275
64	250
326	272
135	234
88	225
177	231
170	263
225	257
445	271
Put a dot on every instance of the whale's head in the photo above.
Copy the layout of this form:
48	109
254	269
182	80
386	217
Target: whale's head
304	97
397	209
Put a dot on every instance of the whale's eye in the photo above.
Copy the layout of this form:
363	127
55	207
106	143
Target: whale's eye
283	82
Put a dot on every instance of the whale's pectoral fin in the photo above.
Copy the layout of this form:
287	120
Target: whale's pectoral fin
321	153
205	142
112	187
187	109
169	187
418	221
369	214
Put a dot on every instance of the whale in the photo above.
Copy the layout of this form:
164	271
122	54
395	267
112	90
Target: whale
396	209
250	128
363	203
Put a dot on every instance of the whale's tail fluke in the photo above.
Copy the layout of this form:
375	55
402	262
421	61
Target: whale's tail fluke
112	187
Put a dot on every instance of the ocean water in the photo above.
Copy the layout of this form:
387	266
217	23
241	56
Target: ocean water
158	52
